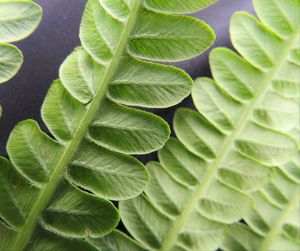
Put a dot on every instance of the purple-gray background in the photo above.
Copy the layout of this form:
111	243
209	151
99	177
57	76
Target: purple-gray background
57	35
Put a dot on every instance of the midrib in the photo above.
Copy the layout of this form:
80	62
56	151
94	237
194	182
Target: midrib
225	149
276	228
48	190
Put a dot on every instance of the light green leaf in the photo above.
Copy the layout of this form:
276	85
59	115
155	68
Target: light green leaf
69	176
281	16
180	162
190	217
249	37
19	19
11	60
274	223
287	89
190	126
177	6
227	151
150	230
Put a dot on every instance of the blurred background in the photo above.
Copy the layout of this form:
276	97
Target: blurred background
55	38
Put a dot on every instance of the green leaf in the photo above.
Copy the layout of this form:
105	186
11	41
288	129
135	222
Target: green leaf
56	188
14	188
46	241
27	155
127	130
18	19
69	207
81	75
108	174
115	241
145	84
167	37
177	6
72	205
227	151
62	112
154	36
274	223
11	59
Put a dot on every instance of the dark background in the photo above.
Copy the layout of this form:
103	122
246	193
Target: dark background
55	38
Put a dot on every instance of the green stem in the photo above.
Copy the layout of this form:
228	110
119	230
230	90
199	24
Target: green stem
59	170
225	149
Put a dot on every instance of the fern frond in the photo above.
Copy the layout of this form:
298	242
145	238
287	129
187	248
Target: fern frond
44	186
18	19
227	150
274	224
